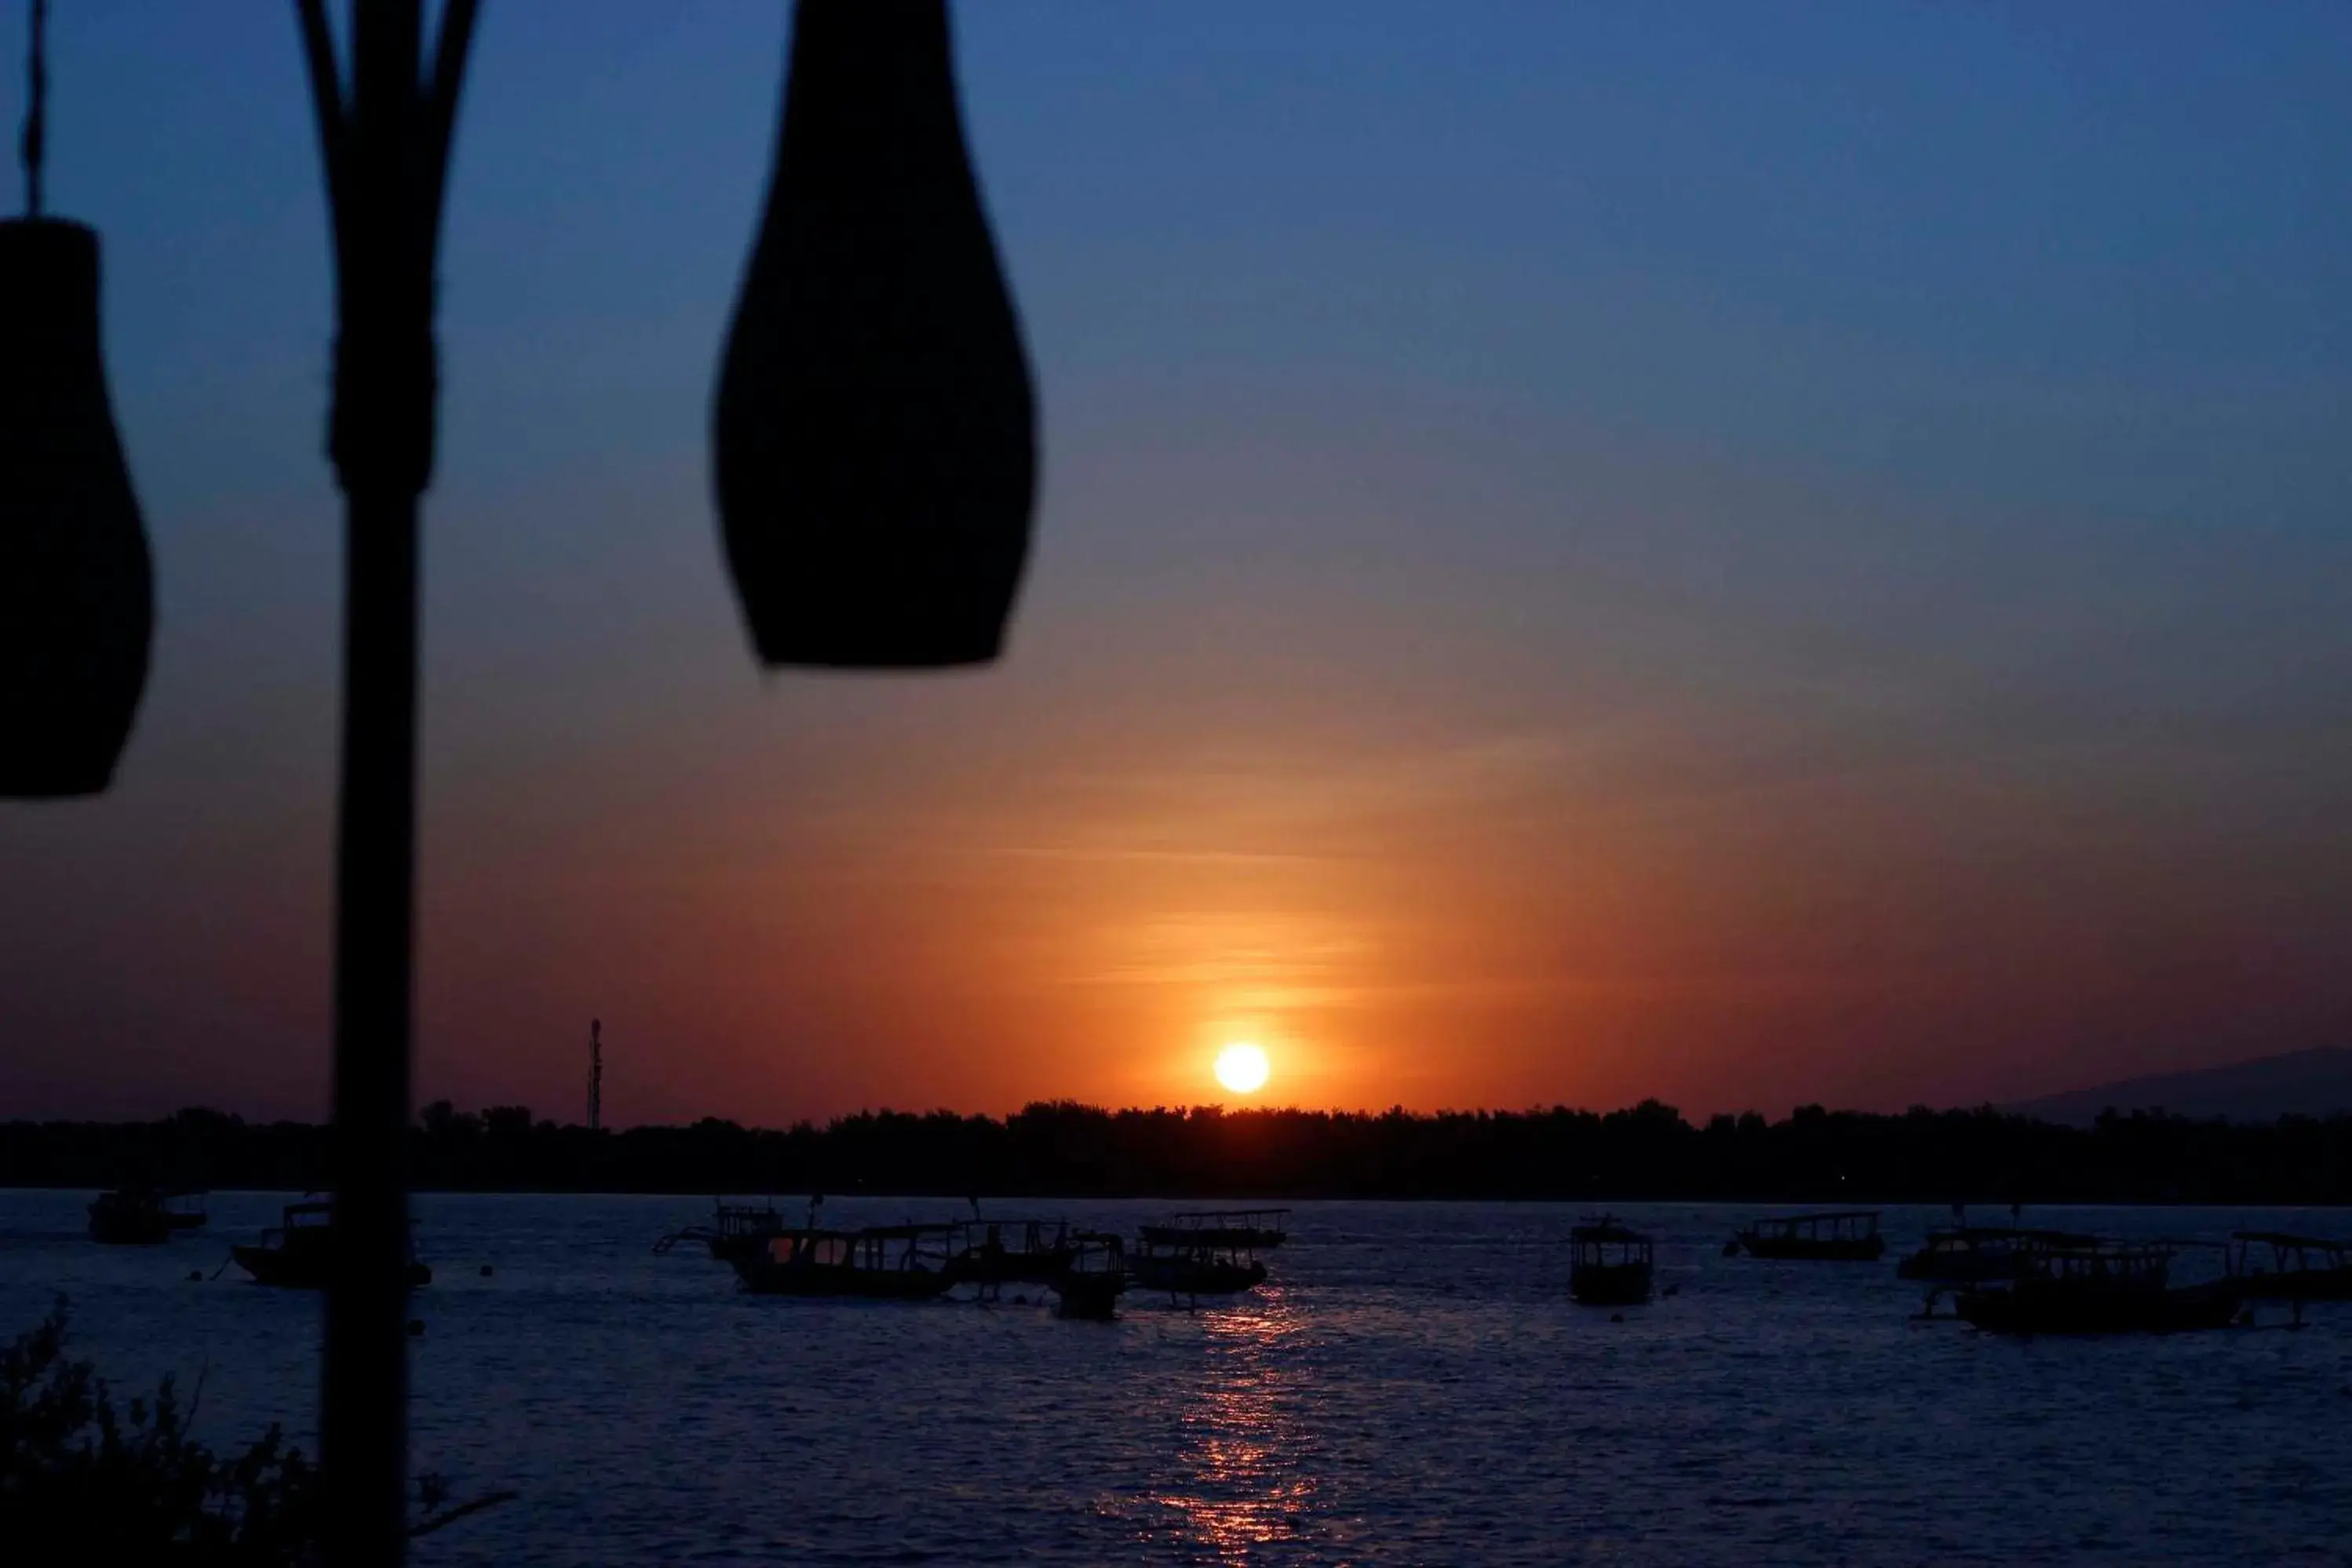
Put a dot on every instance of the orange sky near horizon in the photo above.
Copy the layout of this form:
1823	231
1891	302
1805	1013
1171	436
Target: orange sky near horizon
1711	860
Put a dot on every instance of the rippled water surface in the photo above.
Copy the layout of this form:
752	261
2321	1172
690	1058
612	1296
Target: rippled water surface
1411	1386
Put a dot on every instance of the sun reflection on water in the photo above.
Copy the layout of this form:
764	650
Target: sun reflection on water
1242	1473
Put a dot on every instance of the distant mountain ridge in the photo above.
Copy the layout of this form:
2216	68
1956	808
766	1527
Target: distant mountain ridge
2315	1082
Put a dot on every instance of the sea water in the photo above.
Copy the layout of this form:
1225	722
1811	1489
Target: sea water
1410	1385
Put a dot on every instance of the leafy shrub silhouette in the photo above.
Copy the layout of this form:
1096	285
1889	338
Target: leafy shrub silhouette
79	1482
78	1478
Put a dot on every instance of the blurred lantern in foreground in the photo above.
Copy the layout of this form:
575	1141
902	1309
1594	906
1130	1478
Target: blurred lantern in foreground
77	597
874	436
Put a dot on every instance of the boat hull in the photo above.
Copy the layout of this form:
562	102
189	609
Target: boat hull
1044	1267
1234	1239
2033	1309
117	1229
1091	1297
2302	1284
763	1277
304	1268
1197	1276
1610	1285
727	1248
137	1216
1957	1268
1863	1250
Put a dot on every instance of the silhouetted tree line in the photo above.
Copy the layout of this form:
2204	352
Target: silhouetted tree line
1063	1148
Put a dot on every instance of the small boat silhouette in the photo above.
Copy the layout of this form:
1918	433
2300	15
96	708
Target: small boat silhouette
2100	1289
991	1253
2302	1268
299	1253
1093	1279
1610	1263
1838	1236
882	1262
736	1230
1208	1253
1974	1255
144	1215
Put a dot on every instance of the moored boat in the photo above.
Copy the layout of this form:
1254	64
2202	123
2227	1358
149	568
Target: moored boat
882	1262
143	1216
994	1252
1196	1273
1194	1260
1093	1279
1248	1230
740	1230
2099	1288
736	1230
1832	1235
2300	1267
1976	1255
1610	1263
299	1254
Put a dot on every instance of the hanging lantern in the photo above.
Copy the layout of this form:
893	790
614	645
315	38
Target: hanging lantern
76	590
874	438
77	595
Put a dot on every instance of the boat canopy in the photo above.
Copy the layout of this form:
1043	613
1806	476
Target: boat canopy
2292	1253
871	1246
1094	1251
1604	1241
2287	1240
2149	1262
1979	1235
910	1231
1013	1234
1860	1221
1221	1227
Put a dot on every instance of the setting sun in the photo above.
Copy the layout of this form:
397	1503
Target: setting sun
1242	1068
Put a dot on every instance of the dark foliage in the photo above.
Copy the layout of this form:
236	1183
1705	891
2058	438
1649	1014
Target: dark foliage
79	1482
1069	1150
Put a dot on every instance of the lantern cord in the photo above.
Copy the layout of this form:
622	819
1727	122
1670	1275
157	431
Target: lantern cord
37	111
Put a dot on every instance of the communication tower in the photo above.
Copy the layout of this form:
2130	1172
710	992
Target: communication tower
595	1073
